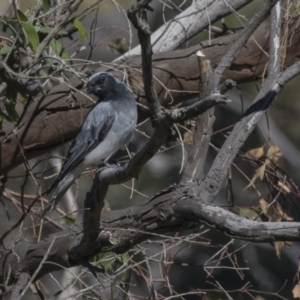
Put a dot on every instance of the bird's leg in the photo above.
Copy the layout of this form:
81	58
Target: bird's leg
132	180
93	172
108	163
137	177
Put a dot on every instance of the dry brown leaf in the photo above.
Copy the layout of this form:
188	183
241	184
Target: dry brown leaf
274	212
278	247
284	187
296	290
259	173
189	133
274	153
284	216
256	153
270	212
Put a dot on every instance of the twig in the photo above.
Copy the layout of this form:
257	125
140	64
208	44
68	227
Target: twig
20	286
58	27
37	270
186	113
245	34
138	17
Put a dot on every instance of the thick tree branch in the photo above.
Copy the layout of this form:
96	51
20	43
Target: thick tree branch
162	128
245	34
203	126
53	119
138	16
20	286
191	21
274	51
186	113
236	226
214	179
173	209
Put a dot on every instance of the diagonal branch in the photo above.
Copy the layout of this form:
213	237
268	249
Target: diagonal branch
197	151
214	179
187	24
57	28
245	34
138	16
274	52
173	209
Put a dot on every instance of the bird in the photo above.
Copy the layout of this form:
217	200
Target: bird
107	128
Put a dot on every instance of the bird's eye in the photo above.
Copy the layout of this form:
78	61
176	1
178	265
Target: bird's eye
102	78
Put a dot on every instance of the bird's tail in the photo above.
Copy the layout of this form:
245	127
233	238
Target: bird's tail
59	189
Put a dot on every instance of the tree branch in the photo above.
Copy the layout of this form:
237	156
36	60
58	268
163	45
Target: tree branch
60	110
138	16
173	209
244	35
214	179
190	22
200	107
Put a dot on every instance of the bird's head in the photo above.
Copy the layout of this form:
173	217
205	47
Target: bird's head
101	83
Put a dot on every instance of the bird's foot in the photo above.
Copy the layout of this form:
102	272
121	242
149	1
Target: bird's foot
111	163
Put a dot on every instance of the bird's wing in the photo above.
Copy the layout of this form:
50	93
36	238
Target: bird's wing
92	132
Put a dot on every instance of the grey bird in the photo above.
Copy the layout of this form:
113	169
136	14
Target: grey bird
107	128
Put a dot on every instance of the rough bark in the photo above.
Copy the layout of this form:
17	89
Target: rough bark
175	208
55	118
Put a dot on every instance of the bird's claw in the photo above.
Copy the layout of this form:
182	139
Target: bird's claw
108	165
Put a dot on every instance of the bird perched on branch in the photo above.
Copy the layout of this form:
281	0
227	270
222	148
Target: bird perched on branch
107	127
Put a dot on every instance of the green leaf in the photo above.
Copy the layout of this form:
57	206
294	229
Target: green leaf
47	29
118	46
22	17
106	260
32	36
31	33
69	220
43	29
11	111
11	94
57	47
81	29
110	262
5	49
123	260
46	5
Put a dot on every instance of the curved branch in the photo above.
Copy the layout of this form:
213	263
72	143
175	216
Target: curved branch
214	179
53	119
173	209
244	35
196	18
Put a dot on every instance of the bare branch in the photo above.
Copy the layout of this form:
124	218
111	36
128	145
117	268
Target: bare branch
138	16
245	34
236	226
213	181
186	113
134	166
274	52
203	125
191	21
58	27
50	110
20	286
172	209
